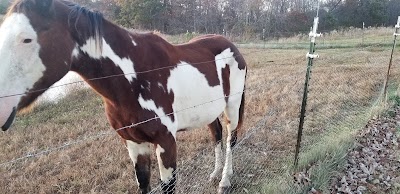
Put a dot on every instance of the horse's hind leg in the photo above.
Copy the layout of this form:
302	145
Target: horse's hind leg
216	132
232	115
140	156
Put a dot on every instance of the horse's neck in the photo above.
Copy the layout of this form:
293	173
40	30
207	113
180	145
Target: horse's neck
103	71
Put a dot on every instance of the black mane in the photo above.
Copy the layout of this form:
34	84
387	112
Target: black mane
93	21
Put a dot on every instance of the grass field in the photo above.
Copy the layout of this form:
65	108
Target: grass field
346	83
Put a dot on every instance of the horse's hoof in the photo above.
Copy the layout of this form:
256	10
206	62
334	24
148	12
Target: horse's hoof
224	190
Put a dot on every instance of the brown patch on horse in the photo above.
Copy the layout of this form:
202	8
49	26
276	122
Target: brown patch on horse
225	82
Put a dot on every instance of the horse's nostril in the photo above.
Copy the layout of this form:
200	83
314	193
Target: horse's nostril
10	120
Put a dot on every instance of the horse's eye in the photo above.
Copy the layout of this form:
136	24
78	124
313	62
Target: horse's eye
27	40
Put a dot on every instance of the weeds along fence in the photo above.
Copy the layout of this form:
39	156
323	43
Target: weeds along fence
345	91
65	147
342	38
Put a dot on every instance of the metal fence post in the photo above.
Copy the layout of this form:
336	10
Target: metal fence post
310	55
396	33
263	37
362	36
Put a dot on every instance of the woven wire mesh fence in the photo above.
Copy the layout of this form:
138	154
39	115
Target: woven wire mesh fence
346	90
75	153
268	136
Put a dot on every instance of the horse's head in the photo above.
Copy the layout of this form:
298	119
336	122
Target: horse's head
35	52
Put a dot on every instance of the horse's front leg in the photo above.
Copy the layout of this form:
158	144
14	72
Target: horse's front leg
166	155
140	156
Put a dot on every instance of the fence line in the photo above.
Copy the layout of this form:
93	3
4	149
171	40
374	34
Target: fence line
396	33
101	134
35	154
241	143
248	134
119	75
310	56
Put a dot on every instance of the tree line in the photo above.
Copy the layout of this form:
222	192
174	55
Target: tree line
272	18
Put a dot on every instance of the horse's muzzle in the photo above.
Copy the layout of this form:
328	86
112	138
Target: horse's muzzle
10	120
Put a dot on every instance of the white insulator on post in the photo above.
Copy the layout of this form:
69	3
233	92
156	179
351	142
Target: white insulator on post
312	56
397	27
313	33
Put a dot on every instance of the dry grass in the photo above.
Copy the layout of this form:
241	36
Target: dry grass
344	82
346	38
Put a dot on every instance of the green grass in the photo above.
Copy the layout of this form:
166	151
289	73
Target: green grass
326	157
349	38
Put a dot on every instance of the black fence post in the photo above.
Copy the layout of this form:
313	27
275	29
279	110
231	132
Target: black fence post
310	55
396	33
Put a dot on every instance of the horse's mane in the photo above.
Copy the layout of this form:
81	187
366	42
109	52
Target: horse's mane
93	19
16	6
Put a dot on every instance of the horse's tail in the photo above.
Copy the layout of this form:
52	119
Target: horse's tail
240	122
241	111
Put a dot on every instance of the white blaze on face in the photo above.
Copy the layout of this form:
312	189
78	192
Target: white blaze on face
125	64
20	64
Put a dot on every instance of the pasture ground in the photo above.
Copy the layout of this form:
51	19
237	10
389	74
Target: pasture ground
345	87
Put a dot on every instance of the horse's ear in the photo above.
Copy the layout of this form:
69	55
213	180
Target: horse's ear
45	7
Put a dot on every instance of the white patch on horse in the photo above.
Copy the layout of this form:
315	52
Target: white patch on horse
165	174
148	86
20	63
236	79
218	162
197	102
165	120
220	61
133	41
125	64
75	52
161	86
136	149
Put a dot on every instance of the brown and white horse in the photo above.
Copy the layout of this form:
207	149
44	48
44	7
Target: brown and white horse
41	40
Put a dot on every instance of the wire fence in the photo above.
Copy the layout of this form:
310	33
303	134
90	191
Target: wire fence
342	98
64	153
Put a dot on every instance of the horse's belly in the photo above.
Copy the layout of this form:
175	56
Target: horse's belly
201	114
